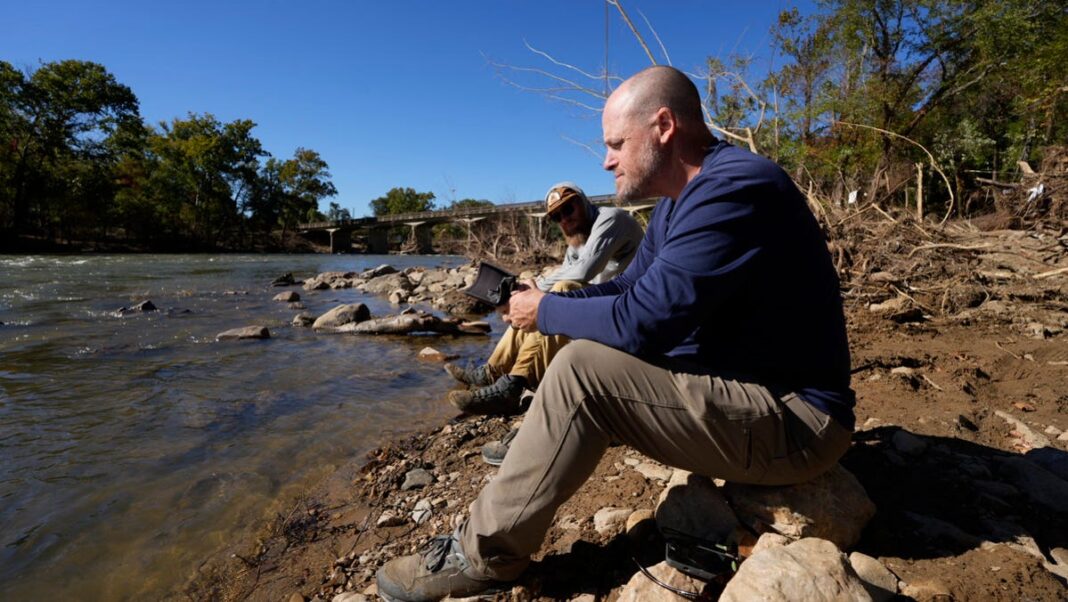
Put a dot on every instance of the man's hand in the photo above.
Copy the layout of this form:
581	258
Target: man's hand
522	307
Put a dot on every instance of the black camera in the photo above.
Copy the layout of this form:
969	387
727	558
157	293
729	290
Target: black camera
493	285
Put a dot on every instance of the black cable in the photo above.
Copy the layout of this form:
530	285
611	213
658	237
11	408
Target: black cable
680	592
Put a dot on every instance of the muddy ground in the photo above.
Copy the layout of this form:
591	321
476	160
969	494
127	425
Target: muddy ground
959	340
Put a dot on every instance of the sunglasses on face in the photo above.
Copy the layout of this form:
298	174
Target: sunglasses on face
563	212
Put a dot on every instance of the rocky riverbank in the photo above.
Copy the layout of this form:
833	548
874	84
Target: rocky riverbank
956	486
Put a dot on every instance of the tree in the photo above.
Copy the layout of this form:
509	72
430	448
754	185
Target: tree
337	214
54	120
403	200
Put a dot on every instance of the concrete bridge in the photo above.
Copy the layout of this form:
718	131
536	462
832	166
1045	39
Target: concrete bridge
375	230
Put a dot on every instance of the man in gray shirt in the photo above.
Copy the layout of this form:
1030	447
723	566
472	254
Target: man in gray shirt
601	241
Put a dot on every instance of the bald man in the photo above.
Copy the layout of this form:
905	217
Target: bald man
720	350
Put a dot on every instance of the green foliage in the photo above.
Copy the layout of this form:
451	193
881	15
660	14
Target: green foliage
403	200
979	83
77	162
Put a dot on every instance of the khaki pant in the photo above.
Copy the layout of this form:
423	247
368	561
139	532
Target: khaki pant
684	417
528	354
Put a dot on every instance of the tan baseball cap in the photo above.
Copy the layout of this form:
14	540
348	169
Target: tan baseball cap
560	194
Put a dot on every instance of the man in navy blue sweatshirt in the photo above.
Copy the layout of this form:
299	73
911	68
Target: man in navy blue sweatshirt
721	349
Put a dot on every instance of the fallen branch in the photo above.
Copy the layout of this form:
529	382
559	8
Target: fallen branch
1050	273
949	246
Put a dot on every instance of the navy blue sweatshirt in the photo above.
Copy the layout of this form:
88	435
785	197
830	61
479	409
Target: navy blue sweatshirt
734	276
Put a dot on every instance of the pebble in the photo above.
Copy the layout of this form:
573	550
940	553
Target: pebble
389	519
609	520
653	472
422	511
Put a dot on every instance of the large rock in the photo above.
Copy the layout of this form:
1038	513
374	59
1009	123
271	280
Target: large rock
457	303
341	315
248	332
284	280
1042	486
811	569
642	589
383	285
381	270
330	280
692	504
833	506
287	297
142	307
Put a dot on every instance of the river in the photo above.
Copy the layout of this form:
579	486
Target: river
131	448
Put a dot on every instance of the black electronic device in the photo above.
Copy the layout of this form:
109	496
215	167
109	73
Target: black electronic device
493	285
699	558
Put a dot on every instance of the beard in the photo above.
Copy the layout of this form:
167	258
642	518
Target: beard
637	184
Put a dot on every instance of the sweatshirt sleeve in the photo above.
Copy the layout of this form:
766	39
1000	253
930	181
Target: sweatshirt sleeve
607	236
705	252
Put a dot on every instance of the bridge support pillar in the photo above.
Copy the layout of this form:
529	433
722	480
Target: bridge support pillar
378	241
340	240
421	236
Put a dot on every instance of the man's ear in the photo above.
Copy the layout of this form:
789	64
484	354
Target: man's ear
666	125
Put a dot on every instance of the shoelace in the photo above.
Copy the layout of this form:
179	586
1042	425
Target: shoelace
437	552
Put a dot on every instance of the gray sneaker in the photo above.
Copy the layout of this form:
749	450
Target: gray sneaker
479	375
493	453
502	397
440	570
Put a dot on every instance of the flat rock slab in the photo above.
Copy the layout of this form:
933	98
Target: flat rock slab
248	332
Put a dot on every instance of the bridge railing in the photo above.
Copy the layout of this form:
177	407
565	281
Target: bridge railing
441	214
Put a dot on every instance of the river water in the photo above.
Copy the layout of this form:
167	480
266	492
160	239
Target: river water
131	448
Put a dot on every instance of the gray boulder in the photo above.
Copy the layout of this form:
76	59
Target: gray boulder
833	506
342	314
810	569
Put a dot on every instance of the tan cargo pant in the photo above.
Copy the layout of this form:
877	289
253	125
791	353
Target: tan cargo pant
592	394
528	354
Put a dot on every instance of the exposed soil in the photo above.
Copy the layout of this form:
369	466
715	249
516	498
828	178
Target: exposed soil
954	332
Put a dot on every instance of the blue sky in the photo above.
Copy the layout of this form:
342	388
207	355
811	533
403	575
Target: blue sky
397	93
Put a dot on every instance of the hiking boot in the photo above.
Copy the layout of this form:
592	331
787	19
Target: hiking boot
502	397
441	569
479	375
493	452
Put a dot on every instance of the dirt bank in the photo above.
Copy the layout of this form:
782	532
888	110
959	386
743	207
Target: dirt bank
960	361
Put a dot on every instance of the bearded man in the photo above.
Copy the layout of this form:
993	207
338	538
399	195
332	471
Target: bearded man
601	241
720	350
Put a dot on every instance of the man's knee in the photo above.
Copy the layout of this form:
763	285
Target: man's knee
580	359
566	285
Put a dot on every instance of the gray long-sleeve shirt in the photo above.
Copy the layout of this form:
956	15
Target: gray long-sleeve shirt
612	243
